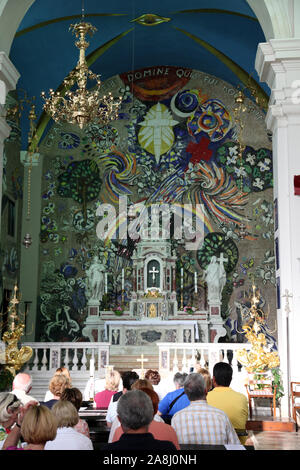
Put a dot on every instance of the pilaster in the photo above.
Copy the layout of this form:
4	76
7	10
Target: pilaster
30	256
278	64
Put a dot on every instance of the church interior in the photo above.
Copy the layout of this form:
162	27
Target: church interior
150	193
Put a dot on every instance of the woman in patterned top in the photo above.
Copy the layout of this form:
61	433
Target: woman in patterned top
74	395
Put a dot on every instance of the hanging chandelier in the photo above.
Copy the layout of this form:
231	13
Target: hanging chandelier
82	106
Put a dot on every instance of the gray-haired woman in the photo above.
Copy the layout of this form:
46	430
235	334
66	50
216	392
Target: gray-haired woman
9	409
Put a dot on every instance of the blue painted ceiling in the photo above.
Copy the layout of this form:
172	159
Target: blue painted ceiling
43	50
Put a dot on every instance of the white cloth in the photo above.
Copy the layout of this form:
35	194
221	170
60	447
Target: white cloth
112	411
48	396
21	395
69	439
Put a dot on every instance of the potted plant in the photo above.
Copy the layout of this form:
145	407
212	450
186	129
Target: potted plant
189	310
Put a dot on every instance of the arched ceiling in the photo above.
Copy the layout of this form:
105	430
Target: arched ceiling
217	37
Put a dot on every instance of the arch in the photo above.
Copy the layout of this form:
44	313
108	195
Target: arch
12	13
276	17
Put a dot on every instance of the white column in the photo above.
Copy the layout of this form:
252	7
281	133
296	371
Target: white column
278	64
8	80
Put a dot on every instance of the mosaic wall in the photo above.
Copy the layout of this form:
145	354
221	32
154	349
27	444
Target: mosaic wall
174	142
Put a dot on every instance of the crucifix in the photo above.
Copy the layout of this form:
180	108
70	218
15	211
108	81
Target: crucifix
154	272
142	360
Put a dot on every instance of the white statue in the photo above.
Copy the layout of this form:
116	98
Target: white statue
215	277
95	276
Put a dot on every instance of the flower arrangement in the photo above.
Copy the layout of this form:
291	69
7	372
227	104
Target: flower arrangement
118	311
189	310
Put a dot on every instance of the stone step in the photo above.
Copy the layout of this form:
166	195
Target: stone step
124	362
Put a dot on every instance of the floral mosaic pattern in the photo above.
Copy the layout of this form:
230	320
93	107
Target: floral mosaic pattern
173	143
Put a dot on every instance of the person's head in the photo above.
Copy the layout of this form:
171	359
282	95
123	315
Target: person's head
23	382
39	425
141	383
112	380
153	376
128	378
64	371
9	409
135	411
207	377
65	414
58	384
179	379
73	395
195	387
222	374
154	398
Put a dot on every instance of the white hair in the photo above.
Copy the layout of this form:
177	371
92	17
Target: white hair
22	382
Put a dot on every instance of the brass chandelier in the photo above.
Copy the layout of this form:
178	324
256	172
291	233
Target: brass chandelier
82	106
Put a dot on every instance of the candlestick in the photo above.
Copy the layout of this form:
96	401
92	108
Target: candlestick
105	280
195	278
123	283
181	278
92	368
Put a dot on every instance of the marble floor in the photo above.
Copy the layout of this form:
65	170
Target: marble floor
275	440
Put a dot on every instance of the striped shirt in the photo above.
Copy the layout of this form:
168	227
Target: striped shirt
200	423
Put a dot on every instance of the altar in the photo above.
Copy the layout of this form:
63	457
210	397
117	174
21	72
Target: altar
141	333
153	314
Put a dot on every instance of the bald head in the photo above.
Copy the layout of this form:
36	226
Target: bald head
23	382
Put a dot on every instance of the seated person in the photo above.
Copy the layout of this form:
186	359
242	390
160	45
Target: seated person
175	400
128	378
135	413
22	384
74	395
207	377
67	438
10	406
112	381
155	379
233	403
57	385
200	423
61	370
159	430
36	425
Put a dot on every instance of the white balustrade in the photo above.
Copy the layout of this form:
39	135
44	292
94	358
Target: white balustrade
47	357
206	354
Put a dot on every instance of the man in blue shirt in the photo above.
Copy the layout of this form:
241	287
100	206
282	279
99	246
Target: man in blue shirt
174	401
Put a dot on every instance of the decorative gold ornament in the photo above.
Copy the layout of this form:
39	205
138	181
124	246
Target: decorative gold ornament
150	19
82	106
259	359
15	357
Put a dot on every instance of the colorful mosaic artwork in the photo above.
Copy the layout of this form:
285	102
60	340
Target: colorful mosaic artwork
175	142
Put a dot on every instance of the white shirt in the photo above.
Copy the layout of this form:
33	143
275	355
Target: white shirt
69	439
21	395
112	410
